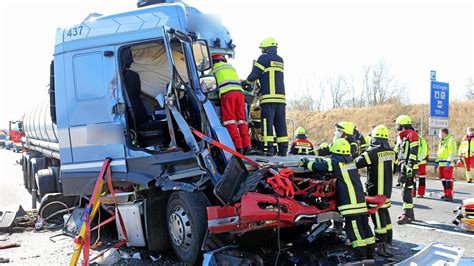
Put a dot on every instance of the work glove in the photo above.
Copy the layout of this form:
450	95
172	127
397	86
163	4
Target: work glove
436	165
246	85
304	162
448	165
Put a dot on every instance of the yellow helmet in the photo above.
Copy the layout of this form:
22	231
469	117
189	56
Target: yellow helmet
381	132
403	120
323	145
300	131
346	127
340	146
268	42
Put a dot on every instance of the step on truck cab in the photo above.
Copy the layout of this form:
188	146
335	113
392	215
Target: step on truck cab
130	87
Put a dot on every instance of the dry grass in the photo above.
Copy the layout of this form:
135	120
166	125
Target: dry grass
320	125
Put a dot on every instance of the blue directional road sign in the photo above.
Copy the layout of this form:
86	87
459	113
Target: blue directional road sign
439	101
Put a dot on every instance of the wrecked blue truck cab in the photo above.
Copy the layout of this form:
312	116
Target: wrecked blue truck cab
97	116
130	87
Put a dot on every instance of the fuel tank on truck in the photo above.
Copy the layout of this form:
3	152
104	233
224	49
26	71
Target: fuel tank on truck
38	125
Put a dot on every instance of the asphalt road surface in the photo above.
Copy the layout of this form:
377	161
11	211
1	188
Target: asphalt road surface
433	223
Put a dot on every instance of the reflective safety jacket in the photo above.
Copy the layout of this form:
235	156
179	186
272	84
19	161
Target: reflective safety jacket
361	141
355	141
226	76
268	69
422	151
466	148
407	150
446	150
379	159
301	146
350	194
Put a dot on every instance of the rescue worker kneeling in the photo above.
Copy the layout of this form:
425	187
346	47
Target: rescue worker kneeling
232	103
379	159
350	196
301	145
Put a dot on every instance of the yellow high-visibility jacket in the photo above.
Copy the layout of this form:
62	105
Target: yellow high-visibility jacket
447	150
466	148
422	151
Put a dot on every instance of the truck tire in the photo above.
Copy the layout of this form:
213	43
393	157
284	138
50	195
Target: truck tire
36	164
27	165
46	182
187	223
51	203
156	222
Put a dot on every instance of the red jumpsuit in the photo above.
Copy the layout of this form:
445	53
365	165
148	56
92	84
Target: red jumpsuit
233	118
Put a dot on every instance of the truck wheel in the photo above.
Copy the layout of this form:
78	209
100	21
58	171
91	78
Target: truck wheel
51	203
36	164
187	223
46	181
156	225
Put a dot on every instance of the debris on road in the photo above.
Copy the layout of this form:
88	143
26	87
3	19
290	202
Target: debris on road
435	254
7	218
10	245
136	256
110	257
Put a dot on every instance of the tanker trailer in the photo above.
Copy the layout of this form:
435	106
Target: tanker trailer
40	163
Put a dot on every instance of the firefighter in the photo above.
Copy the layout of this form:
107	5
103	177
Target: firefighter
350	196
379	159
444	162
301	145
232	103
348	131
268	69
407	162
466	152
421	173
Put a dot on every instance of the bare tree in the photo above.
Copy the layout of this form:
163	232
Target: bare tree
380	86
310	96
338	89
469	94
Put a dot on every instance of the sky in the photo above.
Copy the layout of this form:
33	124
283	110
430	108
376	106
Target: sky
317	39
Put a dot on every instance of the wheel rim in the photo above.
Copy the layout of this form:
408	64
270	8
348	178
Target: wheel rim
180	228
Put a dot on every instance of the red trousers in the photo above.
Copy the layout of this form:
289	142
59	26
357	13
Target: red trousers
446	176
421	174
233	118
468	162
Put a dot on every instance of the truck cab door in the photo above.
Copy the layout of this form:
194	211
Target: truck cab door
95	131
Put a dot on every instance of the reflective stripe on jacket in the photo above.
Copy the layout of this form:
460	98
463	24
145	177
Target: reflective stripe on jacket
446	150
466	148
226	76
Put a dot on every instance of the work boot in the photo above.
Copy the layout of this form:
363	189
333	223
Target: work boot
282	149
371	251
270	151
404	219
469	180
247	150
241	151
383	250
447	198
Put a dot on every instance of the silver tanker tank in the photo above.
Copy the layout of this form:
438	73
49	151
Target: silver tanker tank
40	131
